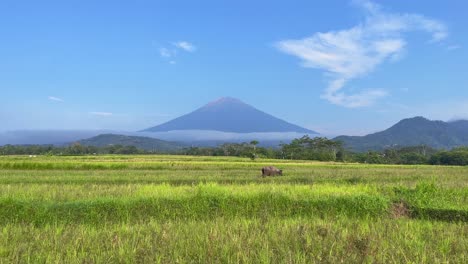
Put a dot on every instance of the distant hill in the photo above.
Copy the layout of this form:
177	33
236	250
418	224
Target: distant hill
411	132
229	115
145	143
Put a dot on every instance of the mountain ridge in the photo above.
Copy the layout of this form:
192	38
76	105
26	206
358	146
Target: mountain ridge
228	114
410	132
140	142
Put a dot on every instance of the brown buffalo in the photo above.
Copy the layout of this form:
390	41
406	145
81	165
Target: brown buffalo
271	171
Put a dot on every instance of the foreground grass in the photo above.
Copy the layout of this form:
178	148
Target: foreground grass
294	240
168	209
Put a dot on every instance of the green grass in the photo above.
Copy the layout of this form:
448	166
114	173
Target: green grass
294	240
42	205
166	209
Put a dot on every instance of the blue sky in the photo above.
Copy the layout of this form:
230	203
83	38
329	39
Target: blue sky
338	67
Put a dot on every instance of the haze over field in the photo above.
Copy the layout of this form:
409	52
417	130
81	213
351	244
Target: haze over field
335	67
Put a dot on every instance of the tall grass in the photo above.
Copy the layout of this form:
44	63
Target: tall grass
164	202
42	204
292	240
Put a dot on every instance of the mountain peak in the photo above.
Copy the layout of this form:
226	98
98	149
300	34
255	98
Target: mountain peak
421	118
228	114
224	101
416	122
413	120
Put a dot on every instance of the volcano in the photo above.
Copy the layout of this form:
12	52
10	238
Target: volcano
229	114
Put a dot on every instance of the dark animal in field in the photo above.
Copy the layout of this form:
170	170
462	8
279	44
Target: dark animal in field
271	171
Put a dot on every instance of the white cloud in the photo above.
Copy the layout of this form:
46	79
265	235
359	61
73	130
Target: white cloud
453	47
170	53
184	45
101	113
352	53
56	99
166	53
363	98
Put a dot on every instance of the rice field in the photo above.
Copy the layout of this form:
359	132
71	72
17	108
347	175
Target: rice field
185	209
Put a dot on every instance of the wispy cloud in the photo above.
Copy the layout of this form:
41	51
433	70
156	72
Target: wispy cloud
56	99
184	45
101	113
170	52
166	53
453	47
352	53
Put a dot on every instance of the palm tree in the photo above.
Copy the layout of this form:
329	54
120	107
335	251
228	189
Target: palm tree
254	143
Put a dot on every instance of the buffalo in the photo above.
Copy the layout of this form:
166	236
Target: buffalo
271	171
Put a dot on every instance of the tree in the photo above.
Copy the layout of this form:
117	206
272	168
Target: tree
254	143
318	148
75	149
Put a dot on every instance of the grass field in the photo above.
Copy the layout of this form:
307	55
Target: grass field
184	209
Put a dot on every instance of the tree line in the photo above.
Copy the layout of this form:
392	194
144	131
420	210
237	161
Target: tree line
71	150
304	148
